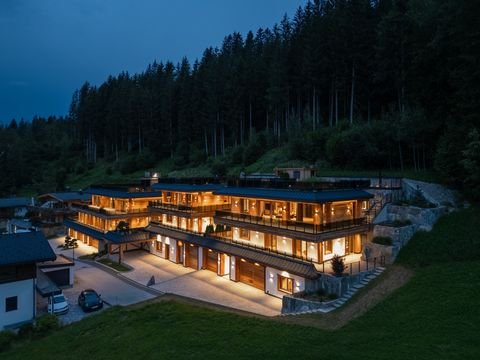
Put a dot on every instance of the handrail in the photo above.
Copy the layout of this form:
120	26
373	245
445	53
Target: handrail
187	208
293	225
104	211
226	240
368	264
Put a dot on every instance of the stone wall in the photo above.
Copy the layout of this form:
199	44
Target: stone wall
423	218
337	285
292	305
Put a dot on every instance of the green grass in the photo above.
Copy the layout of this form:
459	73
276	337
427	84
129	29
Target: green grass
434	316
114	265
456	237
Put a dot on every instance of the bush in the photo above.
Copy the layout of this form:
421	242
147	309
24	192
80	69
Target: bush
338	265
209	229
219	168
382	240
46	323
6	340
25	330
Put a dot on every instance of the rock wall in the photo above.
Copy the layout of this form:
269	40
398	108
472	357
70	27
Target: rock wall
423	218
337	285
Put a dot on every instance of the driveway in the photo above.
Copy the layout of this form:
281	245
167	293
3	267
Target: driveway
199	284
114	290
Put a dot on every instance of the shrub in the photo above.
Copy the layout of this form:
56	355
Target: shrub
6	340
25	330
219	228
338	265
46	323
382	240
321	292
209	229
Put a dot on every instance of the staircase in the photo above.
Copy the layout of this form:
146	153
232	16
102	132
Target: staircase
339	302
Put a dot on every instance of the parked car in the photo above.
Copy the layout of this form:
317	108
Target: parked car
57	304
90	300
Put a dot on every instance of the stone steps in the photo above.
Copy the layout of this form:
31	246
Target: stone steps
341	301
352	291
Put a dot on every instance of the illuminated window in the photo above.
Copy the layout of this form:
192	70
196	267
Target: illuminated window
328	247
169	218
159	246
285	284
245	207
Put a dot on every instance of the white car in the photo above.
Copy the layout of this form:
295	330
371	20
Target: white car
57	304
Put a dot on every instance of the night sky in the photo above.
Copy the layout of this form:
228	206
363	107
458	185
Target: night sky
49	48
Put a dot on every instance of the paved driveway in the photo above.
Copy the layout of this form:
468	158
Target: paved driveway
201	284
114	290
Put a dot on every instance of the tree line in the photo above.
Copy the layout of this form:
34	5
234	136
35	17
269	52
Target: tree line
378	84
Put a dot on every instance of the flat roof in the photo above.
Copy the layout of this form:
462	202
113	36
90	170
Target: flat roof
123	194
320	196
24	248
186	187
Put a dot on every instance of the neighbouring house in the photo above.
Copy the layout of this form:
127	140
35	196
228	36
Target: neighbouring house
52	208
12	207
297	173
18	226
19	257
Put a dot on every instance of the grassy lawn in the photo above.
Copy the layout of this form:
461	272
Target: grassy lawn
114	265
434	316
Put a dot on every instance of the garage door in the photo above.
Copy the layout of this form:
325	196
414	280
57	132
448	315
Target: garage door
60	277
212	261
251	274
191	256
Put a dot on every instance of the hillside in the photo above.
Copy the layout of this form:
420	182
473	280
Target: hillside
434	316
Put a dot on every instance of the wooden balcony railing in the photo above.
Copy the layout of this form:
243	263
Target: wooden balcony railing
293	225
186	207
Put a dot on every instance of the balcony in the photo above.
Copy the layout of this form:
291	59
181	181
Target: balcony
110	212
295	229
186	208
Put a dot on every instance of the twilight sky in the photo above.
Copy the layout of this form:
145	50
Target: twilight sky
48	48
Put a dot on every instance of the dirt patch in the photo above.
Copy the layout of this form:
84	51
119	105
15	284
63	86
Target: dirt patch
393	278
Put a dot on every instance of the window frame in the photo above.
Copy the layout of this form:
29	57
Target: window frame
289	282
11	303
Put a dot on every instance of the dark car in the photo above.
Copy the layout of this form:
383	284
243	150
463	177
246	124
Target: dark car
90	300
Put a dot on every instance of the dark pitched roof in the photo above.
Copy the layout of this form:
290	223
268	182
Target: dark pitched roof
186	187
23	248
123	194
293	266
69	195
295	195
14	202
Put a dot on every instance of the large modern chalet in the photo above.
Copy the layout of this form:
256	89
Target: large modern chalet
277	240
